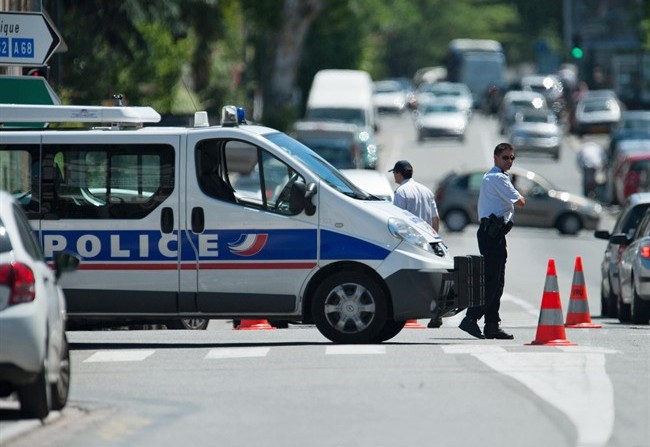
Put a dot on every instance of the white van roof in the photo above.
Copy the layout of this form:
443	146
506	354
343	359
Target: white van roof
20	113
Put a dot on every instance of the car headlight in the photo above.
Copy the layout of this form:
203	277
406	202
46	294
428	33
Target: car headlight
403	230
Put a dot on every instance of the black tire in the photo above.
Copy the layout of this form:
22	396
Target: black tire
456	220
624	311
61	388
612	304
569	224
195	324
34	397
390	330
350	307
640	310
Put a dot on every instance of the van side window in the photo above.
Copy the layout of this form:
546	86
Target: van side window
20	173
106	181
254	177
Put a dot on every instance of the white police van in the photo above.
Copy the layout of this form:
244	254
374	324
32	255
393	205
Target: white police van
231	221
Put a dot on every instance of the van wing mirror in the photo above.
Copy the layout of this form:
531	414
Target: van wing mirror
300	198
619	239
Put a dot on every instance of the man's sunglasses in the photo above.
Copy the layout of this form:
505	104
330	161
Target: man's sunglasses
506	158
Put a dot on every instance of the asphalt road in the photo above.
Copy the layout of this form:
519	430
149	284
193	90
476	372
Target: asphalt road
439	387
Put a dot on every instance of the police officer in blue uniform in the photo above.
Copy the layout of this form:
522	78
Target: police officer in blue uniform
496	207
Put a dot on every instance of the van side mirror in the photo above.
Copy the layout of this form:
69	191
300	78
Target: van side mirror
301	198
310	208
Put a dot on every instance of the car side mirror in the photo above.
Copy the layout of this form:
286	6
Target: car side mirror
602	234
619	239
310	208
65	262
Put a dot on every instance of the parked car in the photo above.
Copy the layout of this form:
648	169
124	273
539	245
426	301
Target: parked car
546	206
515	101
628	169
548	85
440	118
633	125
371	181
632	210
634	274
596	113
34	355
389	96
536	130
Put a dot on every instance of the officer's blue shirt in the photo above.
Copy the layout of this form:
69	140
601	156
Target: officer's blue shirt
497	195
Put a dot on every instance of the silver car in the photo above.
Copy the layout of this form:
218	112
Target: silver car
34	356
546	206
634	274
628	219
536	130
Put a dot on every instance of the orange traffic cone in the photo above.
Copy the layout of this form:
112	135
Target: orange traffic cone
550	330
253	325
578	315
413	324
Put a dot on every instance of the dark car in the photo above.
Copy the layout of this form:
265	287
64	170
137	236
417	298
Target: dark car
633	125
628	219
546	207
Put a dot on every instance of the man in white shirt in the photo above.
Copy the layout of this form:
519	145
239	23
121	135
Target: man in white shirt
419	200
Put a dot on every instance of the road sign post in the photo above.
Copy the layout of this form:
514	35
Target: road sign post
27	39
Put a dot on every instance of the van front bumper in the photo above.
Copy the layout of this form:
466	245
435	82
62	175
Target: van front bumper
429	293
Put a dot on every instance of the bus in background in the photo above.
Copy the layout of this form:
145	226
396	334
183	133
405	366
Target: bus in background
478	63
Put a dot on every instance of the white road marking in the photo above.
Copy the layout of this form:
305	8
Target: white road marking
230	353
355	349
473	349
120	355
576	384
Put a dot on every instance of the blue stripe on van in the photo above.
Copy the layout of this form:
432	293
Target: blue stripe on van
339	246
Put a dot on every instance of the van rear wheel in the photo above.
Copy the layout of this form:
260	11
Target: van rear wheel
350	308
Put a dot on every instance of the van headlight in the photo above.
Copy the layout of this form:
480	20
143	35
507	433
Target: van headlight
403	230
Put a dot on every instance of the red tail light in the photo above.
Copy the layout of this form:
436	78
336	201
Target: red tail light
20	280
645	251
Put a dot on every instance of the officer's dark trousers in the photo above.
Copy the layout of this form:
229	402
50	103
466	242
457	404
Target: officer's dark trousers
495	254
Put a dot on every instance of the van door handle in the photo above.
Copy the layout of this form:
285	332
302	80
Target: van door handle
198	220
167	220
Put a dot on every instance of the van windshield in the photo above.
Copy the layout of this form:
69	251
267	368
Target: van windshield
339	114
319	166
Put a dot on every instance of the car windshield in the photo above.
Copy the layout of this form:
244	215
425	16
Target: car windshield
319	166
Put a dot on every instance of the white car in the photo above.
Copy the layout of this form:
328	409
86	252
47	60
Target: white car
440	118
389	96
34	356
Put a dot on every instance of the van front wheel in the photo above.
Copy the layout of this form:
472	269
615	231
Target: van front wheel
350	308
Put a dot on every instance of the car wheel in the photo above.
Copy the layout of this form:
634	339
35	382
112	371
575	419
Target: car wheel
35	397
390	330
196	324
350	307
456	220
624	311
612	304
61	388
569	224
640	310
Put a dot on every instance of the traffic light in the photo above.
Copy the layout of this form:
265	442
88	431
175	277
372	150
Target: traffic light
576	50
42	71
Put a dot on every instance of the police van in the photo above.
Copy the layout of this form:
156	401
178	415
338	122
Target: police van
218	222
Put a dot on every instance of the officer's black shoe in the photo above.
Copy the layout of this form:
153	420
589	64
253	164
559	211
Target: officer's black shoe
435	323
498	334
470	326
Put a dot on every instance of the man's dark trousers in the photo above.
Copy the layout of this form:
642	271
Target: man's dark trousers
495	254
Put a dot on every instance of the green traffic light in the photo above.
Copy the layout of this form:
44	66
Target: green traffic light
577	53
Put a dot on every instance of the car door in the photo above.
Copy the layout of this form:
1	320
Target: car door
252	251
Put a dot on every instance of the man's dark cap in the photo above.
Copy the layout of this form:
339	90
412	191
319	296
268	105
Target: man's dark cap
402	167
